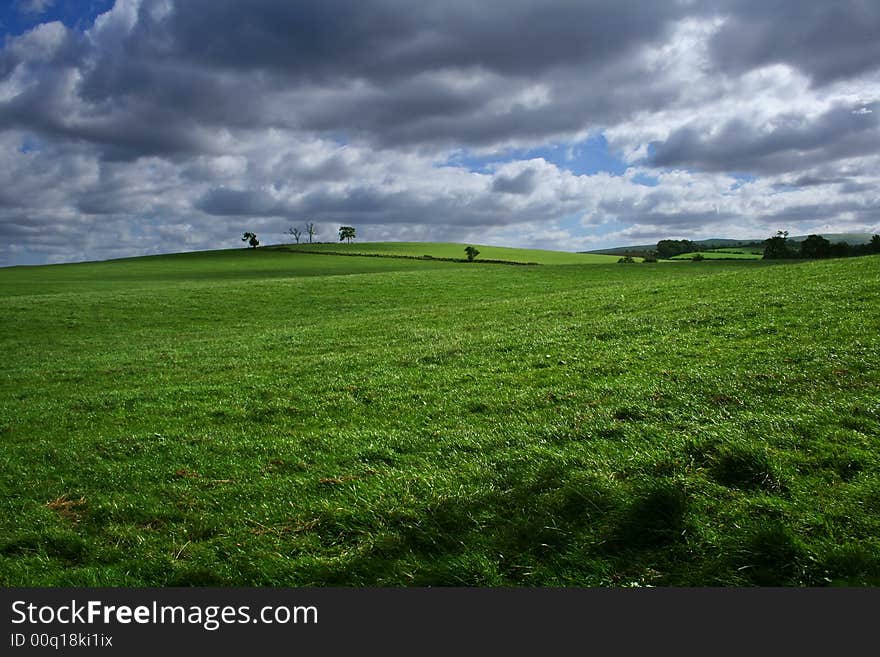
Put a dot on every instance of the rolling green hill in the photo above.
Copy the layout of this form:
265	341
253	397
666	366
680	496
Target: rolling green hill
452	250
272	418
262	264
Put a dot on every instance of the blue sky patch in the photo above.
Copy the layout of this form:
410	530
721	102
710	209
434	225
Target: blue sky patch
587	157
646	180
76	14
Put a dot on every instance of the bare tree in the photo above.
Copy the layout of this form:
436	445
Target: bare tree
310	227
296	232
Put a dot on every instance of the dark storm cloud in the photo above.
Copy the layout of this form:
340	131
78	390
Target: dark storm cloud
387	39
813	181
852	187
791	143
53	65
120	80
375	206
845	186
827	40
522	183
232	202
177	117
391	71
396	72
139	132
858	213
371	205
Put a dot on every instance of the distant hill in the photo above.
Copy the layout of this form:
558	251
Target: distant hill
720	242
849	238
639	249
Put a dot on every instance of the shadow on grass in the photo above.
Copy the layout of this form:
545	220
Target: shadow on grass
745	466
773	556
66	547
655	518
527	527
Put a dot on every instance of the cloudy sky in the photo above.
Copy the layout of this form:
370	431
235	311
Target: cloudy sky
148	126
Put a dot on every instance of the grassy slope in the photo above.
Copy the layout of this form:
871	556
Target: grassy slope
207	266
450	250
718	255
252	419
742	249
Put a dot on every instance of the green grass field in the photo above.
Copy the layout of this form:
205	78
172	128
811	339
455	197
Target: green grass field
263	418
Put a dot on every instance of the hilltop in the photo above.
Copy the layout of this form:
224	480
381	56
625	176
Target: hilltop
451	251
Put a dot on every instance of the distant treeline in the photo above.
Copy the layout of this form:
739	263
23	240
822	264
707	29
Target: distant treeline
780	247
775	248
667	249
670	248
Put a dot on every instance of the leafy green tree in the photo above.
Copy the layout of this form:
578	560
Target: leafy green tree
874	245
471	252
842	250
251	238
669	248
346	233
625	260
776	247
698	257
815	246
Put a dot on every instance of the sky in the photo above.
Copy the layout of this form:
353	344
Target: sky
133	127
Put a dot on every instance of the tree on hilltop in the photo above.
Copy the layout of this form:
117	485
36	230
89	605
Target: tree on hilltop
251	238
296	232
815	246
776	247
346	233
310	228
